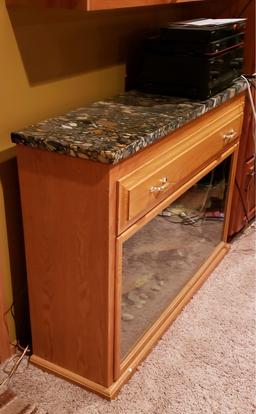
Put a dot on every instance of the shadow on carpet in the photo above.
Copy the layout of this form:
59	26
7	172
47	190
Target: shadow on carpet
10	403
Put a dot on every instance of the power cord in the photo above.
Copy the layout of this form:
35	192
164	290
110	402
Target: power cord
194	217
181	217
242	200
244	77
240	14
249	82
14	368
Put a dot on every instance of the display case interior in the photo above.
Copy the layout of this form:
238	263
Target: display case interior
161	257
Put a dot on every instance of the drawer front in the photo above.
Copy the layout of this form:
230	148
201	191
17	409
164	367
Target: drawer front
149	185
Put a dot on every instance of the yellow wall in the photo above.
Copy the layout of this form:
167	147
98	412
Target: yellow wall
52	61
32	90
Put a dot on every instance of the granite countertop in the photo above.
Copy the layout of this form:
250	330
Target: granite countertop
111	130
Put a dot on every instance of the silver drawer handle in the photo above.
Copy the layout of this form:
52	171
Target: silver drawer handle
158	188
229	136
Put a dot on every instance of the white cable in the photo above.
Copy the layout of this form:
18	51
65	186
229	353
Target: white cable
250	96
14	368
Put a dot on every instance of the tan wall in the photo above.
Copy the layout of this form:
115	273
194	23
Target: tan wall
38	80
52	61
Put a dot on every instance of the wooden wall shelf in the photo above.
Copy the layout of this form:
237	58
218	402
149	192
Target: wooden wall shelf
93	5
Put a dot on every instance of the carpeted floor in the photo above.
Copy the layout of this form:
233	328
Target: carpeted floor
205	363
10	403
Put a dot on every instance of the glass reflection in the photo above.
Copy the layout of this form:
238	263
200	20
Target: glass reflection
163	255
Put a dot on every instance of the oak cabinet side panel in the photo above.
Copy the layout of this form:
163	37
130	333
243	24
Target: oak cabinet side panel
67	249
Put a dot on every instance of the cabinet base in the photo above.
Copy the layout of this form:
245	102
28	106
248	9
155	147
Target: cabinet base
72	377
139	353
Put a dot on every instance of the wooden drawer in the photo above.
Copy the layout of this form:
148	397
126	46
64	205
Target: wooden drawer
148	185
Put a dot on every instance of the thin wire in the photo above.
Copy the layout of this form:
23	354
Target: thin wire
209	187
250	80
251	182
242	200
186	221
244	8
252	84
6	365
14	368
10	309
250	96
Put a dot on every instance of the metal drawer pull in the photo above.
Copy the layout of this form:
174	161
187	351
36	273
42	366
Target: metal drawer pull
159	188
229	136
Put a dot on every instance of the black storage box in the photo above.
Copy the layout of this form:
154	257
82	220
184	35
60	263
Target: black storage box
193	61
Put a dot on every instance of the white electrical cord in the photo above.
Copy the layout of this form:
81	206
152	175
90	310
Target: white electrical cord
14	368
250	95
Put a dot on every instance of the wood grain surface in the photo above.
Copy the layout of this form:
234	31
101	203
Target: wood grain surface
66	4
73	261
244	199
139	353
69	240
92	5
199	139
113	4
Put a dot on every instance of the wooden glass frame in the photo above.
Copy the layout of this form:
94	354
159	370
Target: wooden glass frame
145	343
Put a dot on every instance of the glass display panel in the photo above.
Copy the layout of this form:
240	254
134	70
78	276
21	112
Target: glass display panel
164	254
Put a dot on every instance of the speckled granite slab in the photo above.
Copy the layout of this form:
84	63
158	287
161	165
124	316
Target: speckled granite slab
111	130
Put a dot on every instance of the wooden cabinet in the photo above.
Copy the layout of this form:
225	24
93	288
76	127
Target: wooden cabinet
90	5
88	228
244	200
134	195
249	187
115	4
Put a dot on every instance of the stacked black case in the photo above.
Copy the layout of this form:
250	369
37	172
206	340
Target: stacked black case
193	61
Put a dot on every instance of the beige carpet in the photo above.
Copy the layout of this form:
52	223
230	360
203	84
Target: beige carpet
205	363
13	404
